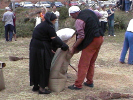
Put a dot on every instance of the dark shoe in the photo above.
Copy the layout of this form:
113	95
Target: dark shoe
89	85
35	88
73	87
121	62
44	92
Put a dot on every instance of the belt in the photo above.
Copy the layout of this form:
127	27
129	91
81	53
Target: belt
130	31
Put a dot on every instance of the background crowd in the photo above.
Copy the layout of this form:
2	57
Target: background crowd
124	5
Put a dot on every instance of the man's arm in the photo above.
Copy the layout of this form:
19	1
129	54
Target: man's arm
79	25
99	15
3	19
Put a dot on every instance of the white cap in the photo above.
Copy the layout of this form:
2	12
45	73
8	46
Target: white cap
102	5
97	7
7	8
73	9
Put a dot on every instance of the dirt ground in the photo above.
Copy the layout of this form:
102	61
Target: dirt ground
110	75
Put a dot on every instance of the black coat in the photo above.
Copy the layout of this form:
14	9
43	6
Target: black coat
41	54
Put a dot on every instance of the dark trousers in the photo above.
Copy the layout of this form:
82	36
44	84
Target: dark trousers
14	30
127	6
103	26
9	32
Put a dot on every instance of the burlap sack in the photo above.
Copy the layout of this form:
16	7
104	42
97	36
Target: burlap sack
58	70
2	83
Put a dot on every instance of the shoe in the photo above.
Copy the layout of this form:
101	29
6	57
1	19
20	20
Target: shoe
45	92
121	62
89	85
35	88
114	35
73	87
127	11
108	35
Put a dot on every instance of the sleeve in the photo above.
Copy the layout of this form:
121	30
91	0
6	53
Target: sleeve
51	31
80	25
3	19
57	14
13	16
99	15
106	14
58	43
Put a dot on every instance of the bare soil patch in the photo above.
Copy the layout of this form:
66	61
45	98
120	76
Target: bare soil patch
110	75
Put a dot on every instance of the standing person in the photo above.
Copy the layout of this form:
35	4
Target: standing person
128	44
111	20
103	19
122	5
127	6
43	39
43	12
14	23
57	15
131	4
38	18
8	17
89	39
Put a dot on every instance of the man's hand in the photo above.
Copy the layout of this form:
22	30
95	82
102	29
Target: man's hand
72	50
53	51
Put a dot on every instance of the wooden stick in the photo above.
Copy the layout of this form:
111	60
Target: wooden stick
73	67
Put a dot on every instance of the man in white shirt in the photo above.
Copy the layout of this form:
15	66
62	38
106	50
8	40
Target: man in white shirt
57	15
8	17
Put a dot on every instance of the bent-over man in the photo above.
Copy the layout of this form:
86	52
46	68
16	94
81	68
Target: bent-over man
88	40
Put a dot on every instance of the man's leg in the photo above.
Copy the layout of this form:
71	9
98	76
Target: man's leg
109	27
105	26
90	72
86	59
130	57
83	66
11	28
6	32
125	48
112	27
102	26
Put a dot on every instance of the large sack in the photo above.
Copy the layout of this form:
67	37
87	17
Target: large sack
2	84
58	70
65	33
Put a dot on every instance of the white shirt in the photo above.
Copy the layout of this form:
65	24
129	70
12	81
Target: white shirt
96	10
8	18
57	14
104	17
38	21
130	26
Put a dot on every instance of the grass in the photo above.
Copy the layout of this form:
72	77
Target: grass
109	74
